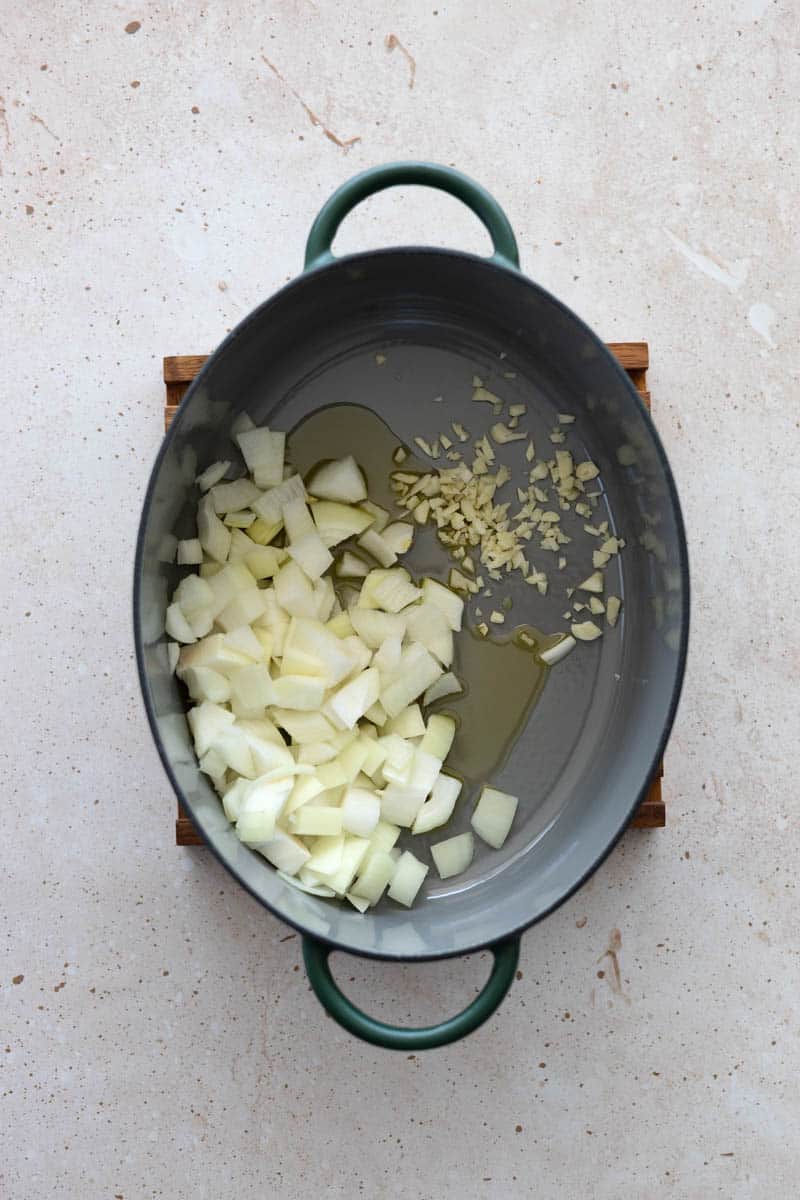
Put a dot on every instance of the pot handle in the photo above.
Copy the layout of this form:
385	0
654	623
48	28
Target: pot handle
390	1037
351	193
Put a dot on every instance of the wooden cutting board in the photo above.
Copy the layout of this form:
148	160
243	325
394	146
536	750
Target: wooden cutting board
180	370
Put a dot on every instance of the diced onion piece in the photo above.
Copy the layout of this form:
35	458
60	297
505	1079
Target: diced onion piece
398	755
261	532
374	760
213	534
302	727
350	566
239	520
439	736
390	590
400	804
173	655
493	816
439	807
193	594
263	562
311	554
255	827
177	625
204	683
331	775
270	506
374	627
350	702
409	876
352	758
427	625
380	515
375	877
376	714
305	788
425	770
263	451
380	550
240	545
408	723
336	522
243	609
453	855
252	687
360	810
613	606
354	850
190	552
554	654
300	692
207	722
448	685
212	475
297	520
242	422
387	657
451	605
398	536
418	670
233	798
314	821
358	901
327	854
285	852
293	591
230	497
313	889
586	631
340	480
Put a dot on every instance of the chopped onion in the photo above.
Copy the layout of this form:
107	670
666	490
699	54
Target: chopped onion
454	855
361	810
263	451
340	480
439	807
448	685
336	521
409	876
190	552
493	816
306	714
212	475
375	877
375	544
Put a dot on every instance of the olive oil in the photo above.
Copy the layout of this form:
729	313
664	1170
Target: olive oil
502	676
344	429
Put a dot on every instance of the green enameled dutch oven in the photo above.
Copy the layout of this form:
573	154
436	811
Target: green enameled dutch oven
589	747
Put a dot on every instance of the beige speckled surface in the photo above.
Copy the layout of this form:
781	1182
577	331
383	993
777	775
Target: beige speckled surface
156	1036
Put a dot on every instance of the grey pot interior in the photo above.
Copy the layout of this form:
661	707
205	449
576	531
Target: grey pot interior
591	743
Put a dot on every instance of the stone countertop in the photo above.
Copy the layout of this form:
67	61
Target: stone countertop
160	168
